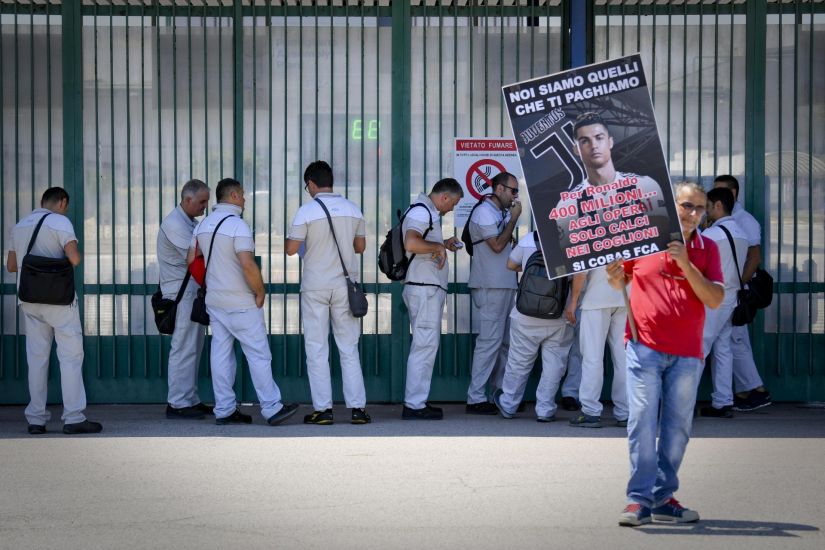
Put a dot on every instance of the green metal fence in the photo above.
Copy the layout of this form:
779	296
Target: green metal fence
122	102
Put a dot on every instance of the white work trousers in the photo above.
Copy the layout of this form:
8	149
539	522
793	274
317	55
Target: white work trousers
745	375
553	339
46	323
595	327
185	355
716	340
318	307
573	379
248	327
493	341
426	307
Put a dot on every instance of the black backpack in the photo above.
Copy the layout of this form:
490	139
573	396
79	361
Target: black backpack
537	295
392	256
468	241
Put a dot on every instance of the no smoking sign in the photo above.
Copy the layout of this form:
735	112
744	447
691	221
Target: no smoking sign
480	176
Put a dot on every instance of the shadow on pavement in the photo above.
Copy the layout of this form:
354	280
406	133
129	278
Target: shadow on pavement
728	527
778	421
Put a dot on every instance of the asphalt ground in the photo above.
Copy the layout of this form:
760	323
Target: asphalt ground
464	482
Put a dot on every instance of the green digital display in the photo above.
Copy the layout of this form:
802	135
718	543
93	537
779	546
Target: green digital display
365	129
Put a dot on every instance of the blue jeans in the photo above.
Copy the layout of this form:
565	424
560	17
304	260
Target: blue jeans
654	377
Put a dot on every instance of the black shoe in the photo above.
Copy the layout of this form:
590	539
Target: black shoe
236	417
360	416
569	403
713	412
188	413
204	408
286	412
488	409
427	413
319	418
36	429
754	400
85	427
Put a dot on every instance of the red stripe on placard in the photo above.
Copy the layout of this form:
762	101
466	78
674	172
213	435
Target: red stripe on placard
485	145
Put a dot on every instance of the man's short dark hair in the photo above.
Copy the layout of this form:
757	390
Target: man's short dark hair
53	195
320	172
729	181
588	119
502	178
225	188
448	185
723	195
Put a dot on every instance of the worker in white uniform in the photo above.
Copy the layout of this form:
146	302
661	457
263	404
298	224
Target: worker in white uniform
174	237
234	297
425	290
716	336
602	318
47	323
530	336
492	288
324	295
751	393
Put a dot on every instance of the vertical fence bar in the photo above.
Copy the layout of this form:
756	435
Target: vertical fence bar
810	192
755	32
128	209
72	94
401	128
284	338
98	339
143	175
112	186
699	126
794	350
780	225
270	175
17	174
159	87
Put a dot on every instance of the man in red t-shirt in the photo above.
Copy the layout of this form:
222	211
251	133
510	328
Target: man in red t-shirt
665	357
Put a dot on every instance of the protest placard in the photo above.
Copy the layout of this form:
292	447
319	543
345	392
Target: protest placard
477	161
593	165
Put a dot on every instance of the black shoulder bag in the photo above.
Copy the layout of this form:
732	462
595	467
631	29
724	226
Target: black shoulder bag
745	310
199	313
358	305
45	280
166	310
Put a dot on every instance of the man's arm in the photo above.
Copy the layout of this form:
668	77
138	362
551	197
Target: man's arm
11	262
415	243
72	253
497	244
252	275
709	293
292	246
575	291
752	261
616	275
513	266
359	244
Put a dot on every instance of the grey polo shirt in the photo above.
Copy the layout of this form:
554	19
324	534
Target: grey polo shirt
488	269
55	233
174	238
225	283
321	264
424	269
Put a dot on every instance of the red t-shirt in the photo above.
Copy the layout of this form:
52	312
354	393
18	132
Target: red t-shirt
669	316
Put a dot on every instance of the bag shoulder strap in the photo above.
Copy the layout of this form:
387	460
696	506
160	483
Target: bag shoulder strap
733	249
430	214
182	289
334	238
211	243
36	231
470	217
537	241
